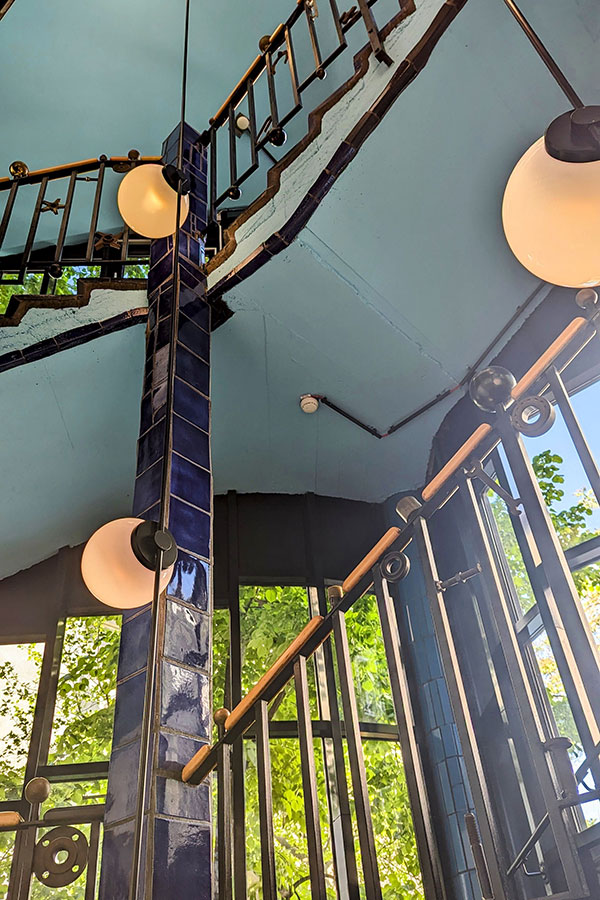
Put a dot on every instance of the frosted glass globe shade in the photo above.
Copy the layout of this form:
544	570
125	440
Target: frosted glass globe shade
551	218
112	572
148	204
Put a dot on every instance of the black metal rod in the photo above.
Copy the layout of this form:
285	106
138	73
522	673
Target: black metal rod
10	202
546	57
89	253
252	128
574	428
478	857
291	58
33	227
232	147
433	882
92	866
62	234
314	41
224	822
357	762
309	784
270	69
336	21
265	801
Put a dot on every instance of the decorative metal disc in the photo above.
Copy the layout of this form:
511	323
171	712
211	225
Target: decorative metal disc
60	856
394	566
533	416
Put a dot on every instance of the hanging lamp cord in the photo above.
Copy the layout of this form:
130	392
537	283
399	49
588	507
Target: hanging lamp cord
149	693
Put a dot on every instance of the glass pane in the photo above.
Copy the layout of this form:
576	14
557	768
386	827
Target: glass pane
271	617
20	666
75	793
7	845
85	701
512	551
369	665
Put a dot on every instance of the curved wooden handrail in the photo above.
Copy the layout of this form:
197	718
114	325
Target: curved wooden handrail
368	561
520	389
81	165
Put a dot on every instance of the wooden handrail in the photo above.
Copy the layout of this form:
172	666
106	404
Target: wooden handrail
271	674
368	561
519	390
78	166
195	762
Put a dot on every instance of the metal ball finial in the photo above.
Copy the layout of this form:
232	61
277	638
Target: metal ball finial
221	716
37	790
587	298
491	387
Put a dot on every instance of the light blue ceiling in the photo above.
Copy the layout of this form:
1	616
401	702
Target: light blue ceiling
399	281
84	78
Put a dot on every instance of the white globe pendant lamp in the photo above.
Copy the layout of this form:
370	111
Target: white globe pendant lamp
551	206
119	561
147	200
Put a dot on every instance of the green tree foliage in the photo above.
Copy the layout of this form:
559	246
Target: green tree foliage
81	730
271	618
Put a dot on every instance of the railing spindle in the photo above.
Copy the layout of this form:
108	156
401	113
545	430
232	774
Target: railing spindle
357	762
8	211
224	821
252	120
314	40
33	228
92	866
291	59
336	21
270	69
232	147
265	802
60	243
89	253
309	783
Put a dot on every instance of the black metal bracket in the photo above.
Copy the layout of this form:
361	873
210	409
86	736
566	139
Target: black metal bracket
459	578
476	470
148	539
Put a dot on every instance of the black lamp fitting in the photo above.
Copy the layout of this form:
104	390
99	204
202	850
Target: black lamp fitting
175	177
146	542
277	137
575	136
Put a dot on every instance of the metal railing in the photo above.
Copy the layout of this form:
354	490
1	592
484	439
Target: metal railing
64	215
55	850
555	788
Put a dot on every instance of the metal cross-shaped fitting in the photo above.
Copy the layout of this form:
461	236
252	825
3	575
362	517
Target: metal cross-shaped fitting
52	206
104	240
476	470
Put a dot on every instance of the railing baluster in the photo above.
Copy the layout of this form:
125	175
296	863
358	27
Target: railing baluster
232	147
336	21
224	821
65	217
89	253
265	802
213	175
252	120
415	777
270	69
8	211
33	228
314	40
309	783
373	32
92	866
357	762
291	59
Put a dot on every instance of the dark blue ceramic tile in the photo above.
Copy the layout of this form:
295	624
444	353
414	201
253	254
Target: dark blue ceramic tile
163	334
117	854
454	770
158	248
190	581
165	300
122	783
133	651
194	338
129	709
191	405
151	446
190	277
190	527
145	413
161	270
193	304
174	750
174	798
147	488
191	442
187	635
185	700
182	860
191	369
190	482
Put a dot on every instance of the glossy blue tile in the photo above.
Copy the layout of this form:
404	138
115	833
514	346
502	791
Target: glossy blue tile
122	783
190	482
133	651
191	442
191	405
194	338
189	368
174	750
150	446
195	307
182	860
187	635
185	700
162	270
129	709
117	854
147	488
190	527
174	798
190	582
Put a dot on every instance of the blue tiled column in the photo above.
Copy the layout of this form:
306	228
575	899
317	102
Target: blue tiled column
177	817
